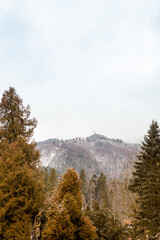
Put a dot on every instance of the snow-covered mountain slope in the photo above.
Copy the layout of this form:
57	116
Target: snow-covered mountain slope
95	154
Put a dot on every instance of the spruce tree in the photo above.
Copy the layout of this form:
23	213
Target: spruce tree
146	183
21	186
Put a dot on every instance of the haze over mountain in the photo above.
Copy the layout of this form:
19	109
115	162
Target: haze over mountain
95	154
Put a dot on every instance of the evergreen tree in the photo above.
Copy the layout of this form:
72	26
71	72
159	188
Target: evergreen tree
45	173
69	200
50	179
53	178
146	182
14	118
92	191
59	226
84	186
102	191
21	187
108	228
98	191
99	210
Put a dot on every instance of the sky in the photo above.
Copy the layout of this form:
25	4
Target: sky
83	66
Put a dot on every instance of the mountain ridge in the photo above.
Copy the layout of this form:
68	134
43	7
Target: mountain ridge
96	153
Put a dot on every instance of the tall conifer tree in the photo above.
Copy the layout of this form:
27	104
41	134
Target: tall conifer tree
102	191
99	210
146	182
21	188
69	201
84	185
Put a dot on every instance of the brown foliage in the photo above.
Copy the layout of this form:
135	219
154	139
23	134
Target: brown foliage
21	185
69	202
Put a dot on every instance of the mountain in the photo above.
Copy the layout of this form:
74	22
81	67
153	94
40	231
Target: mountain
95	154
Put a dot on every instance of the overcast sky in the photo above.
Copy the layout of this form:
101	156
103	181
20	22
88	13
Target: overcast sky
83	66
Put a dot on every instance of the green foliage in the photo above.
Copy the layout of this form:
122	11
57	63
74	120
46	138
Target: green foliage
99	209
92	191
98	191
102	191
146	183
108	228
84	186
21	185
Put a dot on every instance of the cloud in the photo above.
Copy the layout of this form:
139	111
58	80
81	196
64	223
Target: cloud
88	65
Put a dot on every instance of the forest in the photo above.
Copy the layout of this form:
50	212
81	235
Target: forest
38	203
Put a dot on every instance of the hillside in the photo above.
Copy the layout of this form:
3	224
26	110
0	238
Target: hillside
95	154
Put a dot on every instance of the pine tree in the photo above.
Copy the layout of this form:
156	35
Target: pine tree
69	200
21	187
146	182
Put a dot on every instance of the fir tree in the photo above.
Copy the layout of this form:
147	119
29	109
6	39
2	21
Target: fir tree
146	182
21	187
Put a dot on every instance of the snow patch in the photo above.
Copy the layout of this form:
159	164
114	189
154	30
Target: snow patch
46	158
